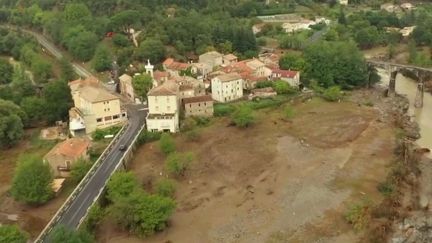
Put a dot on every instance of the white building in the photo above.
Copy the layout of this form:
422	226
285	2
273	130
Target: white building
343	2
227	87
163	104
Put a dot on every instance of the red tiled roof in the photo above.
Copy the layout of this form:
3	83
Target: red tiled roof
158	75
170	63
71	148
285	73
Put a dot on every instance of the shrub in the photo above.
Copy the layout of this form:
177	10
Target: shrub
243	116
289	112
193	135
62	234
386	188
166	144
264	84
283	88
359	214
177	163
79	170
11	233
100	134
95	215
146	137
265	103
120	40
165	188
188	124
201	120
332	94
223	109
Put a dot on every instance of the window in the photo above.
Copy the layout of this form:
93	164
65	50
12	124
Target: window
116	117
199	104
205	104
99	120
108	118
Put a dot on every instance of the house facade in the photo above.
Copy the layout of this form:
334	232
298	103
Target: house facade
94	107
212	59
163	104
65	154
174	67
292	77
227	87
126	87
198	106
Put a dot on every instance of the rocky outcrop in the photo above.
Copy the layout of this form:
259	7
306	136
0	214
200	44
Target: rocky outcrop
416	229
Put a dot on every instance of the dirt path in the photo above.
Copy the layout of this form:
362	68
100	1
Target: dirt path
278	181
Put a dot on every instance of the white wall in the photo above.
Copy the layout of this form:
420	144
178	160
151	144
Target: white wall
227	91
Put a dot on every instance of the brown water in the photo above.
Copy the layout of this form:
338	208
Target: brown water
423	116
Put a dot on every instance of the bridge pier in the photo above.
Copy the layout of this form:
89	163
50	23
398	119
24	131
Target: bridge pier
418	103
392	83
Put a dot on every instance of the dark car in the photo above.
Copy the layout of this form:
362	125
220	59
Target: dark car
122	147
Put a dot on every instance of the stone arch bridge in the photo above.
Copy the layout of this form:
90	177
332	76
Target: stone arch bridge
394	68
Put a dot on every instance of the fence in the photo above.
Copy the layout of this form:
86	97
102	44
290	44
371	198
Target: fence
79	187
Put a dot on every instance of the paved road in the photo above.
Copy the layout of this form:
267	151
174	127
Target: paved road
384	64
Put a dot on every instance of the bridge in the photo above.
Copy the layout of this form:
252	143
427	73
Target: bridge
393	68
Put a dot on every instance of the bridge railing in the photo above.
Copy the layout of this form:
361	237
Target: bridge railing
45	232
122	159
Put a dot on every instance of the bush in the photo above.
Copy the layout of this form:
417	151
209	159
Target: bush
201	120
283	88
193	135
289	112
146	137
166	144
223	109
188	124
177	163
79	170
11	233
120	40
165	188
61	234
386	188
94	216
100	134
359	214
265	103
243	116
332	94
264	84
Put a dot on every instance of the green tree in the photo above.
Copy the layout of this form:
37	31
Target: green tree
94	217
34	107
167	144
102	59
142	85
12	120
67	70
152	49
141	213
41	69
12	234
121	40
243	116
80	42
332	93
282	87
79	169
58	100
177	163
76	13
125	20
32	181
336	63
165	188
61	234
6	70
292	62
121	185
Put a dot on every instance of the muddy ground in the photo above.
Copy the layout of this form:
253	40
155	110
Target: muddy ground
277	181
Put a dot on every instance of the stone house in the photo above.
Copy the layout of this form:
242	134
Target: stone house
292	77
229	59
65	154
227	87
173	67
212	59
262	93
251	71
198	106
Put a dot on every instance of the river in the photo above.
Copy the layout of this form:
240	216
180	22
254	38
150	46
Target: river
422	116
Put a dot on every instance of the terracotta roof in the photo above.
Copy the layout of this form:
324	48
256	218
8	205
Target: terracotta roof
96	94
254	63
184	87
203	98
168	61
160	74
72	148
174	65
284	73
166	89
229	77
90	81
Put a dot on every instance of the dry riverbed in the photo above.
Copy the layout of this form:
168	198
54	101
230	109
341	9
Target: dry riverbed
277	181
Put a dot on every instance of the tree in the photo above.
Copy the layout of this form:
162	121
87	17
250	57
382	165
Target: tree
32	181
79	170
11	233
142	85
12	120
141	213
125	20
6	70
61	234
282	87
121	40
102	59
167	144
76	13
243	116
152	49
332	94
121	185
80	42
41	69
336	63
177	163
35	108
67	70
58	100
291	61
165	188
